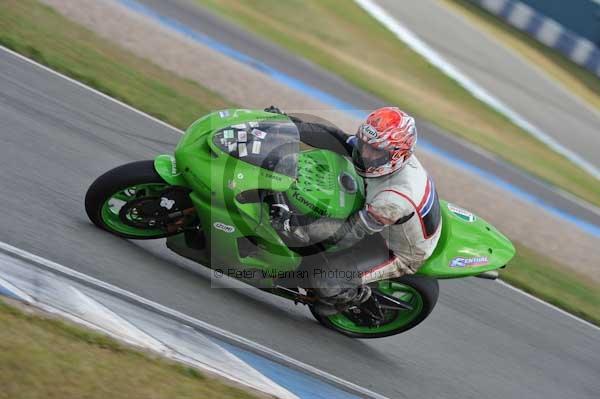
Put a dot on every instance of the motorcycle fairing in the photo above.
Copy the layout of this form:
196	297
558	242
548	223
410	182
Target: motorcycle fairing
468	246
220	179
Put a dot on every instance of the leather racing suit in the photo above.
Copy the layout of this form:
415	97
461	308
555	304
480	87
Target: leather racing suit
402	206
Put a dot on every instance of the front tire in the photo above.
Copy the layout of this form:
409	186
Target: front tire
120	186
421	292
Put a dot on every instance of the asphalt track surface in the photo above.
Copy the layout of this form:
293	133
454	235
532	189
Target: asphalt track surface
482	340
191	15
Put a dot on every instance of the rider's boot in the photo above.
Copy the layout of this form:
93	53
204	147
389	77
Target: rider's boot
329	306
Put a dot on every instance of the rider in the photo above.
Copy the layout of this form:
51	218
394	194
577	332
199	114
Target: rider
401	201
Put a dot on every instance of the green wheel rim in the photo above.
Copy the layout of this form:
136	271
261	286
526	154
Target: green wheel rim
112	206
402	318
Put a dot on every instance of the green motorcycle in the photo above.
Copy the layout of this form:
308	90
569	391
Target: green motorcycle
213	201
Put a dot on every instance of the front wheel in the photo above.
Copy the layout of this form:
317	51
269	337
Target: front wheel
133	201
420	292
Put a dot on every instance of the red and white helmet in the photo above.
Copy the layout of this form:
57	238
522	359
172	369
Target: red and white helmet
385	142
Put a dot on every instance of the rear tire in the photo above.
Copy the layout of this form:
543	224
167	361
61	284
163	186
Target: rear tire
128	176
425	292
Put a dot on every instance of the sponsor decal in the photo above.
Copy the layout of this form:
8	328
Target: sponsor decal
242	136
224	227
232	147
231	184
228	134
224	113
241	126
256	147
242	150
258	133
462	213
167	203
253	124
469	262
308	204
369	131
269	175
240	176
173	165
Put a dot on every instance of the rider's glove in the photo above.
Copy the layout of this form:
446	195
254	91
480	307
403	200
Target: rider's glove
284	221
280	217
274	110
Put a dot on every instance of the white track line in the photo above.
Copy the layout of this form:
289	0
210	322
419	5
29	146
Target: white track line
515	53
22	296
181	132
564	312
435	59
206	327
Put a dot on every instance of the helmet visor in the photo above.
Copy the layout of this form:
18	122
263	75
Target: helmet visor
366	156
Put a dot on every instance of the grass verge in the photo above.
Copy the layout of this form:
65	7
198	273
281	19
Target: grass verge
542	277
348	42
47	358
575	78
37	32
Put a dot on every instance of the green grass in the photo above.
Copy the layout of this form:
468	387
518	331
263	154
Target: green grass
48	358
342	38
550	281
38	32
575	78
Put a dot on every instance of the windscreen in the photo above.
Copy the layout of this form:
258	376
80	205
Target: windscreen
270	145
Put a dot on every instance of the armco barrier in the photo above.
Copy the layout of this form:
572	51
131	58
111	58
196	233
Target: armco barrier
579	16
546	30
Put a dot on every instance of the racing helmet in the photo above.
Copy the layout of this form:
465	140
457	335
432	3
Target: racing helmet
385	142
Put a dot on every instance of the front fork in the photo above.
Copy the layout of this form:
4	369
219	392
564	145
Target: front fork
166	167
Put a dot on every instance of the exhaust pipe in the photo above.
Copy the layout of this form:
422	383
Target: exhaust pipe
489	275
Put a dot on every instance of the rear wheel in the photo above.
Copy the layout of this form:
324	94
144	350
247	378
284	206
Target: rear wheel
421	293
133	201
